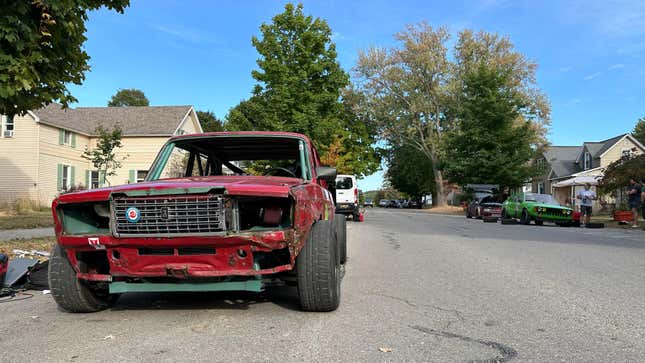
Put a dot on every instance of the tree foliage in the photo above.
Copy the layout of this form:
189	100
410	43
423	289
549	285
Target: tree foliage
413	90
409	171
103	157
128	97
639	130
619	172
41	51
299	90
210	122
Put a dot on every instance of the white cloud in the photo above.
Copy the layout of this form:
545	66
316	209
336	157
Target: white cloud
610	17
616	66
336	36
592	76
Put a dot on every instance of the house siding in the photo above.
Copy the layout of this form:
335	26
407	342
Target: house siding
139	153
615	152
19	161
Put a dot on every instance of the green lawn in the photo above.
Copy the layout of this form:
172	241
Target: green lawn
29	220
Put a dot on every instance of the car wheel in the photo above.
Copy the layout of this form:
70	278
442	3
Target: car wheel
356	216
340	224
504	216
525	219
539	223
70	293
468	215
318	270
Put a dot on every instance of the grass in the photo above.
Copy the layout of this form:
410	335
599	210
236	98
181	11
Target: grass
40	244
32	219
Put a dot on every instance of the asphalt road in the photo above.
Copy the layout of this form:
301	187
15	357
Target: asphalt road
418	287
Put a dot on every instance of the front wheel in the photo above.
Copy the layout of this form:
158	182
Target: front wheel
504	215
69	292
340	228
525	219
539	223
318	270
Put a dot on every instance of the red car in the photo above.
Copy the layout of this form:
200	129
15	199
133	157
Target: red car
217	212
488	207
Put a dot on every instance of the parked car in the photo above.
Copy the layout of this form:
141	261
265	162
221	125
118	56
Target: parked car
539	208
217	212
414	204
347	196
394	203
487	207
368	203
384	203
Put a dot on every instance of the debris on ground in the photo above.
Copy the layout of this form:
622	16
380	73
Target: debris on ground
385	350
28	245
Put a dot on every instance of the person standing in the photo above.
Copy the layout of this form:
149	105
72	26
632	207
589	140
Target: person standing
586	196
634	193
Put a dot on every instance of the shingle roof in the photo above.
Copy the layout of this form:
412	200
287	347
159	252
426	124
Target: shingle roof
562	152
607	144
136	120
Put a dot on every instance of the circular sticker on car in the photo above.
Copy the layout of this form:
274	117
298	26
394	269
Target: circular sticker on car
132	214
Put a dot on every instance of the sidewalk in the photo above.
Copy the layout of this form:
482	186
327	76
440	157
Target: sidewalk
11	234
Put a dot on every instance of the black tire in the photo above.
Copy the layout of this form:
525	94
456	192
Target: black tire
539	223
509	221
70	293
468	215
318	270
525	219
504	216
356	216
340	224
595	225
489	220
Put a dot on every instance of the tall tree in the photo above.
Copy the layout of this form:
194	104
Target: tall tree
41	51
406	92
409	171
299	90
128	97
103	157
639	130
210	122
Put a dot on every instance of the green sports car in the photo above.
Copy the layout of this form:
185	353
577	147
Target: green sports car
536	207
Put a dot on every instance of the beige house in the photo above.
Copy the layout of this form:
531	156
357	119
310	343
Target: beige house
40	152
588	160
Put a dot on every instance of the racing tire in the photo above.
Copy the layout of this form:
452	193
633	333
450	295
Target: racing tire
508	221
340	228
595	225
70	293
525	219
539	223
489	220
504	215
565	224
318	270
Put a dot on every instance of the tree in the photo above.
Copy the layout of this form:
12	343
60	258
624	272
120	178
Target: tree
128	97
41	51
405	91
299	89
489	144
209	122
103	156
409	171
619	172
639	130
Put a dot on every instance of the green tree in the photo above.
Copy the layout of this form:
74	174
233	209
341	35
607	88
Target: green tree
409	171
619	172
41	51
210	122
128	97
639	130
299	89
103	157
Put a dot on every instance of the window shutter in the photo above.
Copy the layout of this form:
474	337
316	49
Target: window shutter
61	136
88	179
101	178
59	178
133	176
72	171
74	140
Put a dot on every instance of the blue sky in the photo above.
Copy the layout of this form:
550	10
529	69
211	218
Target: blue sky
589	52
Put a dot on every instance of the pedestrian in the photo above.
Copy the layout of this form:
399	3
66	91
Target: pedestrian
586	196
634	192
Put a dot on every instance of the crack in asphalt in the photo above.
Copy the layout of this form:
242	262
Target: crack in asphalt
507	353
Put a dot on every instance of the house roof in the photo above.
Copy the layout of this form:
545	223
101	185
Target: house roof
562	160
597	148
134	120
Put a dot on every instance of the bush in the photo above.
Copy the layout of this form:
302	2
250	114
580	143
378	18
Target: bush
27	205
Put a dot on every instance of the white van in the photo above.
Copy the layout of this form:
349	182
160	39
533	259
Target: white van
347	195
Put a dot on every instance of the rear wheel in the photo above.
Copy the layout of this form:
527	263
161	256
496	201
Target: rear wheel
539	223
525	219
70	293
504	215
340	228
318	270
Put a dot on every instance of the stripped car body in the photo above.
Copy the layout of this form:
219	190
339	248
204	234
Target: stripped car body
213	228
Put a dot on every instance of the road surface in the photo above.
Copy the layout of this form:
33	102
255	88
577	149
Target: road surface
418	287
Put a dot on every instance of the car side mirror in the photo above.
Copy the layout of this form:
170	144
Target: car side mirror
326	173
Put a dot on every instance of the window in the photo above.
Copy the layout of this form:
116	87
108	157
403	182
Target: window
67	137
137	176
587	161
66	178
344	183
625	153
8	124
540	188
539	162
94	179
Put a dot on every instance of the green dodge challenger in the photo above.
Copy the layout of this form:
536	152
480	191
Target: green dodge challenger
536	207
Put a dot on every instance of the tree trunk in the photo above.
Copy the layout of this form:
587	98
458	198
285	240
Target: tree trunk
440	200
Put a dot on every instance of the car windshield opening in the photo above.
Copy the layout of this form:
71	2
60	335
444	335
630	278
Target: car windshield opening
212	156
540	198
